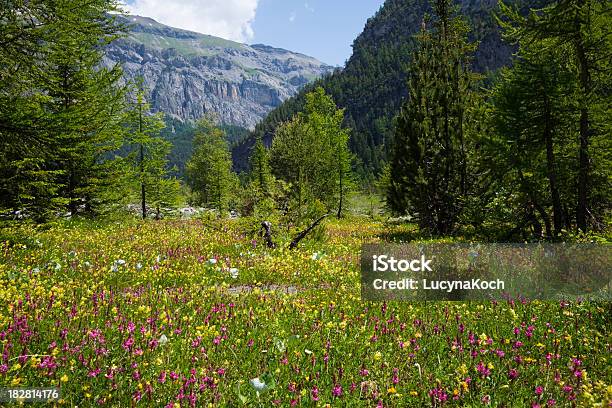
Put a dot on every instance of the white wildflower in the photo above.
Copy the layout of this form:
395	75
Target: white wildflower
258	384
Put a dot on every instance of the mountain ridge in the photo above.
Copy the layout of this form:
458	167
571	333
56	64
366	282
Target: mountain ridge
187	74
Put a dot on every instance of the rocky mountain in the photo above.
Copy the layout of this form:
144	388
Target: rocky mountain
188	74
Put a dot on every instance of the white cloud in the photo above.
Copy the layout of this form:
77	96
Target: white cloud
309	7
292	16
230	19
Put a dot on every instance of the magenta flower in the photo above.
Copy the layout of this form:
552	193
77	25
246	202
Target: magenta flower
438	395
337	391
483	370
137	396
512	373
539	390
314	393
128	343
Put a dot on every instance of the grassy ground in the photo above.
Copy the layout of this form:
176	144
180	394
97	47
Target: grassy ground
185	313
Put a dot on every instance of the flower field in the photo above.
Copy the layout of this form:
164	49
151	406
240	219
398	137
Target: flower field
186	313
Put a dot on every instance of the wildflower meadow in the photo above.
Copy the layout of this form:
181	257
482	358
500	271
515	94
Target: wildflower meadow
188	313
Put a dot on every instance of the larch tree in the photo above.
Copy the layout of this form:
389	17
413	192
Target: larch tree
148	153
585	26
209	170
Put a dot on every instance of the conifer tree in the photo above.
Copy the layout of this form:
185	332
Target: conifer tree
584	25
260	168
209	170
148	153
532	117
429	164
85	101
59	108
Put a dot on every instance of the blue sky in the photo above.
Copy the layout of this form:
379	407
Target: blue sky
320	28
324	29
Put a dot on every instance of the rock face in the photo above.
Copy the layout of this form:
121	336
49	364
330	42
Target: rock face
187	74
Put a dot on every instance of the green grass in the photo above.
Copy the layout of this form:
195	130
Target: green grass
129	311
205	45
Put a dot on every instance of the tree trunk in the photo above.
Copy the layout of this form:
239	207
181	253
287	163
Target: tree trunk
142	169
339	215
266	226
550	166
302	234
585	85
535	205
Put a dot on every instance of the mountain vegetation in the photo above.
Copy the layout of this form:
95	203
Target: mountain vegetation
76	139
60	113
209	170
371	87
432	111
532	165
429	157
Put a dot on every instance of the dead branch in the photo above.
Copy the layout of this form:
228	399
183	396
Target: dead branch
266	233
302	234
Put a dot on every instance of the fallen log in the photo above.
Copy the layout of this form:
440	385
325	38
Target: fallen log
266	233
302	234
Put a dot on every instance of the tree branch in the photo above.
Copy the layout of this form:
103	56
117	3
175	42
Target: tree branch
302	234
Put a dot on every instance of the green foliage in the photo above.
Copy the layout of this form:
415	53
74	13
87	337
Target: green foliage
147	157
180	134
209	171
580	28
311	152
260	170
371	87
429	160
59	109
542	128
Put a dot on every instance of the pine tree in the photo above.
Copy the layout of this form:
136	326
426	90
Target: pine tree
429	164
260	169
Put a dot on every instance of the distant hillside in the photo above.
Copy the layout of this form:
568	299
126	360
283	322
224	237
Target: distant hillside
372	85
188	74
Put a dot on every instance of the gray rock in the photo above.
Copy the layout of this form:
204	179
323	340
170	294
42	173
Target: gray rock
187	75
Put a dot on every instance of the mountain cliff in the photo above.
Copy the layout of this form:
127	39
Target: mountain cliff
187	74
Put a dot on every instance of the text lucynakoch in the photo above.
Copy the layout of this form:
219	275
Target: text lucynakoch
442	285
